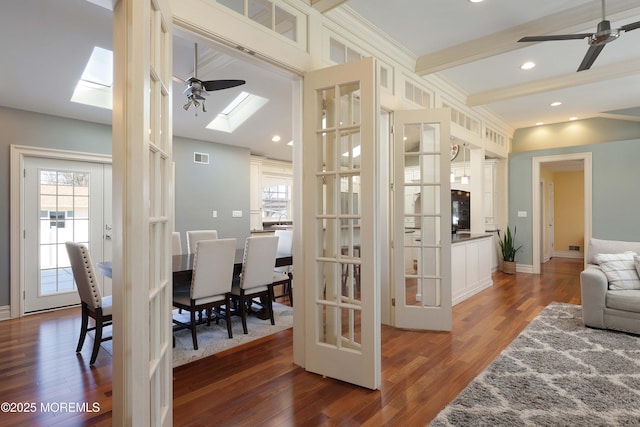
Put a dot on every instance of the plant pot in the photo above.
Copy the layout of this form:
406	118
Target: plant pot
509	267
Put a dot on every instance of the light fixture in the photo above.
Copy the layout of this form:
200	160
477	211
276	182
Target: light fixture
556	103
276	138
573	118
539	123
475	1
465	177
528	65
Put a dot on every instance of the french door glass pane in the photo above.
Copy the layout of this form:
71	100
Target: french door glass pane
64	216
422	211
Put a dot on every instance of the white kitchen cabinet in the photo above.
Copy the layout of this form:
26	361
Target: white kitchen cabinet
471	263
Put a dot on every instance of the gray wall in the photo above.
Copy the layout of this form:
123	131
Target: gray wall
222	185
616	200
38	130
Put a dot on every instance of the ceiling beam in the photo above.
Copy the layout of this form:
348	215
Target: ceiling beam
594	75
326	5
507	40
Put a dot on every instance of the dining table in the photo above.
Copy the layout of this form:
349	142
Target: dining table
182	265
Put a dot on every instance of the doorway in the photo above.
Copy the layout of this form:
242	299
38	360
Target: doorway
65	197
558	162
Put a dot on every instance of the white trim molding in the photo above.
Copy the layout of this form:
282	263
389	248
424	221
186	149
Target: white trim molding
586	157
5	312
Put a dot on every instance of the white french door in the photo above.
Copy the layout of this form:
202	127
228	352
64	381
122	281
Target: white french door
342	289
64	200
422	227
143	213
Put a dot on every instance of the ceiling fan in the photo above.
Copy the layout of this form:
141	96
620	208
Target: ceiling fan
597	40
197	89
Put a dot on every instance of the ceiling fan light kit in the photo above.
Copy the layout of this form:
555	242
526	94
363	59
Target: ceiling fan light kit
197	89
597	40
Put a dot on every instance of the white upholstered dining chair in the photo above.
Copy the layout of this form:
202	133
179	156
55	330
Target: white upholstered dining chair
93	304
176	243
285	249
194	236
210	285
257	277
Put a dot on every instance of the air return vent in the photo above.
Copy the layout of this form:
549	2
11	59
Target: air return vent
202	158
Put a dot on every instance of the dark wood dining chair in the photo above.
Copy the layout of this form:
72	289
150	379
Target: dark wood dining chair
255	283
210	285
93	304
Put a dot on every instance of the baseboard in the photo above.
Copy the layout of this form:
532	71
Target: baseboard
568	254
5	312
524	268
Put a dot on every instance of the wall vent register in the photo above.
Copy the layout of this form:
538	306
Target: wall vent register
201	158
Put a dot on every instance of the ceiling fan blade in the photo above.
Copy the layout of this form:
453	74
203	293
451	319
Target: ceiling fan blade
221	84
629	27
555	37
177	79
590	57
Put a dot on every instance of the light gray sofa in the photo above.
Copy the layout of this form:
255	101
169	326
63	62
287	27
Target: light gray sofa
602	307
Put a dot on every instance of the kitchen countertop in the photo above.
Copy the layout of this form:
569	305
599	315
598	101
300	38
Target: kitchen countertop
465	237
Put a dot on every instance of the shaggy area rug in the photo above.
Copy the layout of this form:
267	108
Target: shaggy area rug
213	339
556	372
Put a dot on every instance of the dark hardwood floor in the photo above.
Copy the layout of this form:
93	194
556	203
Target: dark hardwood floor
258	384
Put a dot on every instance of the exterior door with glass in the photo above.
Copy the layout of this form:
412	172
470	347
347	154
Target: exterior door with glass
64	200
422	212
342	306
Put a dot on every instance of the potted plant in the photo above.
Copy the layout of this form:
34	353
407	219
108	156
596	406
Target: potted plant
508	249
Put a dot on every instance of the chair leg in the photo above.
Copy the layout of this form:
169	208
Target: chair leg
270	305
243	313
228	316
98	337
193	328
83	327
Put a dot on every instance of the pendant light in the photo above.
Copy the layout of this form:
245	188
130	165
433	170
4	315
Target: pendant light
465	177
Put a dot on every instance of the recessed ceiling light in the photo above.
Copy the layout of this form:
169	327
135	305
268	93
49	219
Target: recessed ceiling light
555	104
539	123
475	1
276	138
573	118
528	65
290	143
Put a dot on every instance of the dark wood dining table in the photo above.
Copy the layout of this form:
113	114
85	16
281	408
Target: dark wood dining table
182	266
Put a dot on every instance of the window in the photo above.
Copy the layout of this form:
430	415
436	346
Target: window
276	200
276	196
268	14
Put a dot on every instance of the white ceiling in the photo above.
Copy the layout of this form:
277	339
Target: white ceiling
474	46
45	46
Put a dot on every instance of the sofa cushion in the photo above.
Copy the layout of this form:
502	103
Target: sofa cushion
620	270
626	300
601	246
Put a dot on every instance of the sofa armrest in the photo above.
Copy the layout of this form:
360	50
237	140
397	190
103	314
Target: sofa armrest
593	286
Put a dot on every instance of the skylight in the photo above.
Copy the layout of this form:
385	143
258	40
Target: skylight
237	112
94	87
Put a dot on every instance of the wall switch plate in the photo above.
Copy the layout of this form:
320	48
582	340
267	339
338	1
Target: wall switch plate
522	214
214	214
236	214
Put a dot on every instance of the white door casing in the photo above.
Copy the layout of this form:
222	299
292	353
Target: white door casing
19	156
422	220
142	196
341	272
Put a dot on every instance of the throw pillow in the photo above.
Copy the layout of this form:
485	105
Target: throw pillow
620	270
